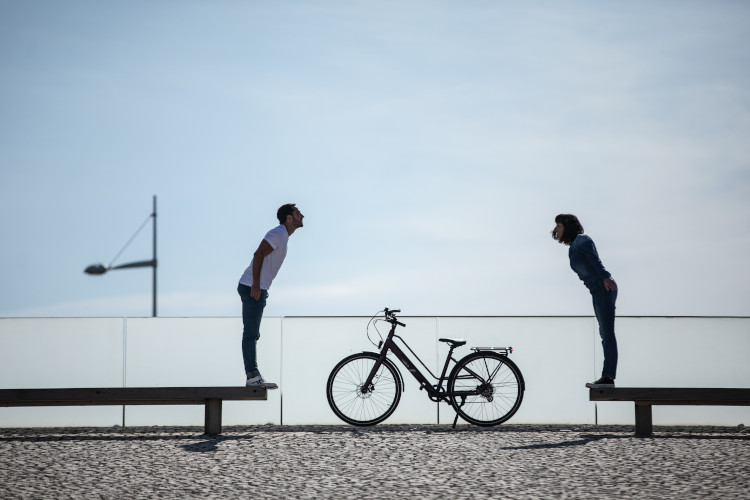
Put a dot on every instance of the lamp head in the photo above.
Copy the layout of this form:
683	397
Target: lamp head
96	269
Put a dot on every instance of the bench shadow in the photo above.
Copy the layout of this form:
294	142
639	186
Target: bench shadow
95	435
210	446
584	440
193	440
590	438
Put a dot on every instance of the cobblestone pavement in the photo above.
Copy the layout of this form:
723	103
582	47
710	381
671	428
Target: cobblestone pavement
386	461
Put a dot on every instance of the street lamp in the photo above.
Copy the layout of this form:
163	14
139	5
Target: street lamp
97	269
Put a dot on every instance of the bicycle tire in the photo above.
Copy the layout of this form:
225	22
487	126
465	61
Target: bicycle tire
349	403
503	388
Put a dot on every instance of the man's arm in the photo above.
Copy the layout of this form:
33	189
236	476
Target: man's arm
260	254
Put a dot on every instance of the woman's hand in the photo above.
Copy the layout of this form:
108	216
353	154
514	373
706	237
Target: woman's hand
610	285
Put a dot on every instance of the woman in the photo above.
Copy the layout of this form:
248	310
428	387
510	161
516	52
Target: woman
584	260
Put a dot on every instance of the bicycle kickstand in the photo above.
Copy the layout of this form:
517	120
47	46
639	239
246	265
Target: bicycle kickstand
463	400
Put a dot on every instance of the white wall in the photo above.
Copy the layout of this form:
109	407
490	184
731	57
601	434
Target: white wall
556	355
62	352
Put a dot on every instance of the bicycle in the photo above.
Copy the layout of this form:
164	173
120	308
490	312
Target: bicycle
484	387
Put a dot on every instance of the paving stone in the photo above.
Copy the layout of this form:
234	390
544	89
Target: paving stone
386	461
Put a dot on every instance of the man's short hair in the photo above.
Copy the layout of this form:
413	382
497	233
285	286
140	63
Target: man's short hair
285	210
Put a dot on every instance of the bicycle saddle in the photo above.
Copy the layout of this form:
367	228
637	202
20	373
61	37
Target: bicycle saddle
454	342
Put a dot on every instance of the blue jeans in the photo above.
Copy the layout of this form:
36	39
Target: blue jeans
252	313
604	309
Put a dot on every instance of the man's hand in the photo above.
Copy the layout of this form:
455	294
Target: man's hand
255	291
610	285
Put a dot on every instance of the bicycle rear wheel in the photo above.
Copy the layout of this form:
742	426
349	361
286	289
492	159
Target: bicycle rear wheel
498	381
344	390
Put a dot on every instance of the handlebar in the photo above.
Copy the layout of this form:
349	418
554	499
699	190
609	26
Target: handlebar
390	316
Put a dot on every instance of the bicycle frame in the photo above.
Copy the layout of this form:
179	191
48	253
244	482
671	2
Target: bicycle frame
436	392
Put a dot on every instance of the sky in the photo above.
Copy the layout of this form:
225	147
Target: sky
429	144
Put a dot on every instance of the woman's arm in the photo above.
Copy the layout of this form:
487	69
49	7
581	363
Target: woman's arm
589	251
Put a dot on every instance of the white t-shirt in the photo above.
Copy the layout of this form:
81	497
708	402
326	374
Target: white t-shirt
278	238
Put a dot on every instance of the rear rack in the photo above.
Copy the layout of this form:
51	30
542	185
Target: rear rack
502	351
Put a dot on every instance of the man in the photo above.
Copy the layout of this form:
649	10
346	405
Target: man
255	282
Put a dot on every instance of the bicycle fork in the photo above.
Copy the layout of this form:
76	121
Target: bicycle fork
368	386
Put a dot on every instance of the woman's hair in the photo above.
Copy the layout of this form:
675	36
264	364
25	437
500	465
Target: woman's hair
285	210
572	228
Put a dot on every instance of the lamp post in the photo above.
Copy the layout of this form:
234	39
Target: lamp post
97	269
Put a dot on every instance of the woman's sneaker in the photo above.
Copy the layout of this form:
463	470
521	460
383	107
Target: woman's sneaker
258	380
602	382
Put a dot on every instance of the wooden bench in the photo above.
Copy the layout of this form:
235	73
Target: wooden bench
646	397
211	397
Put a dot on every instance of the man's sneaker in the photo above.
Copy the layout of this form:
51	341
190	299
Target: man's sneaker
258	380
602	382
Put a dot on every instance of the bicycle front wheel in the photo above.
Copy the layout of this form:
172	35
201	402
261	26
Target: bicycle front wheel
345	390
496	380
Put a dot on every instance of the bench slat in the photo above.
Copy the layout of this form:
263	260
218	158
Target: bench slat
127	395
673	395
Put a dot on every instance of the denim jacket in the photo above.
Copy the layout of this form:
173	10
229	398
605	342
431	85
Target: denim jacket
584	260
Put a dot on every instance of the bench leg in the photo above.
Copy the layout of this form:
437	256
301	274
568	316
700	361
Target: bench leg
643	423
213	417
